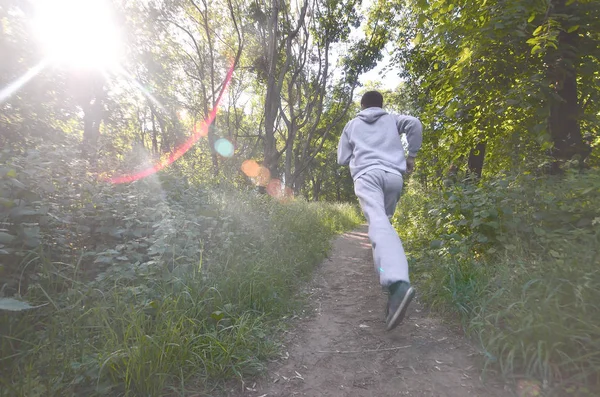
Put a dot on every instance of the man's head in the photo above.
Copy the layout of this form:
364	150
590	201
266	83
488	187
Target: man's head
371	99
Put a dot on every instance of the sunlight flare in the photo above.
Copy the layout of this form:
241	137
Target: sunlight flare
13	87
200	130
79	34
137	85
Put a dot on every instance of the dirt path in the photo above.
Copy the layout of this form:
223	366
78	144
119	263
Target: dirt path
345	351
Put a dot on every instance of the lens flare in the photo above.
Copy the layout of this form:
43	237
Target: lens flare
288	193
13	87
224	147
82	34
145	91
274	188
201	128
199	131
263	177
250	168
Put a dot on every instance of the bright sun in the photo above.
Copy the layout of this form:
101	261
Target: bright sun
78	33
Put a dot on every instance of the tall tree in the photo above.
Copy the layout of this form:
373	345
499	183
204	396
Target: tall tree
495	76
564	59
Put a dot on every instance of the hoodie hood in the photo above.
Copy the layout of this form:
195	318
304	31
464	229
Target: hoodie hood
371	115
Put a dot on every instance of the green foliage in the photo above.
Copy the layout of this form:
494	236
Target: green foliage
155	287
14	305
490	72
517	259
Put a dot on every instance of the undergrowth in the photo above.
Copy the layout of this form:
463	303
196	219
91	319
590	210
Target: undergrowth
517	260
158	287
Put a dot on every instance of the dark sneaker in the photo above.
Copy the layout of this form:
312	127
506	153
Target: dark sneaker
401	294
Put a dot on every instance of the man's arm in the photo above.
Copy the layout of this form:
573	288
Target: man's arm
412	127
344	148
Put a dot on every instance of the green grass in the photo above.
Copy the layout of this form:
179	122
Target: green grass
518	260
203	308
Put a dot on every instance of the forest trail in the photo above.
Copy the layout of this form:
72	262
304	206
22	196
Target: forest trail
344	351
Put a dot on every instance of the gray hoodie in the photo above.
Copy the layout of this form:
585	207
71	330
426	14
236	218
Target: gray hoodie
372	141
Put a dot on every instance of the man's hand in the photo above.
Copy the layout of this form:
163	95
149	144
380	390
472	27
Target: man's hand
410	164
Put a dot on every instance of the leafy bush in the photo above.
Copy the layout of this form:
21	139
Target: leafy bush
150	288
517	257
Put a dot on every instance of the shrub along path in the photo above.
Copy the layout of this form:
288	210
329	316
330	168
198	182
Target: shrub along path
344	350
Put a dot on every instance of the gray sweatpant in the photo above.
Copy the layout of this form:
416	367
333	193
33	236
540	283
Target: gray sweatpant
378	192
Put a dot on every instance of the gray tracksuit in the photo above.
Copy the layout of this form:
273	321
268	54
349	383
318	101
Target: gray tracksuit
371	144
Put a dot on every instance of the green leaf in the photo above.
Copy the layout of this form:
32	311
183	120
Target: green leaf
588	190
572	29
531	18
6	203
418	39
6	238
536	49
436	244
217	315
104	259
47	187
14	305
17	183
20	211
555	254
465	54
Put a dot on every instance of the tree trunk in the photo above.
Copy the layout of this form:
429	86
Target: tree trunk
213	150
142	121
275	79
272	94
563	123
298	184
476	157
289	157
154	134
291	137
165	147
92	116
316	189
211	54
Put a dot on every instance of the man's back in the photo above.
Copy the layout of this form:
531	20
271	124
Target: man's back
373	140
